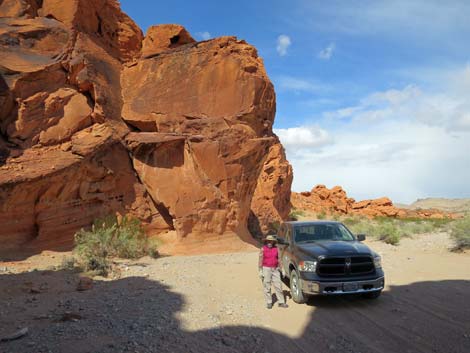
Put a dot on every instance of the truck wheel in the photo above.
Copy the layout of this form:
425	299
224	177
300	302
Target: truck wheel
296	289
372	295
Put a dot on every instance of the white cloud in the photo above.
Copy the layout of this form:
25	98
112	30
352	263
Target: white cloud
289	83
447	110
283	42
203	35
327	53
294	138
403	143
426	19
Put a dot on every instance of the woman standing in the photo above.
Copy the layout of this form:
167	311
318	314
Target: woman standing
269	271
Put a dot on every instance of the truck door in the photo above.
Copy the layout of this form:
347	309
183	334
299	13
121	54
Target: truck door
284	250
281	234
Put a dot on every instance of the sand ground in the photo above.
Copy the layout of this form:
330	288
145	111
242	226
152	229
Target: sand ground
214	303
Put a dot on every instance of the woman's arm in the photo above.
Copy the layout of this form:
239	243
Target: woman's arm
260	259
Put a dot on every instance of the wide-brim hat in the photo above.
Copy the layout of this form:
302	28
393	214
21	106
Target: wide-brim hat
271	238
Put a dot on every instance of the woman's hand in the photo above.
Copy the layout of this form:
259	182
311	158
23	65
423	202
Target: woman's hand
260	273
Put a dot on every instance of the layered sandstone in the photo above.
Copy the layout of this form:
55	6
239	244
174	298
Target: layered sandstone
97	119
335	201
271	200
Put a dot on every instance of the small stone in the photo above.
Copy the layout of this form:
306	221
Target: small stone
34	290
84	284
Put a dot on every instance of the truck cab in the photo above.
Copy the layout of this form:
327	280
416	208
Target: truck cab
326	258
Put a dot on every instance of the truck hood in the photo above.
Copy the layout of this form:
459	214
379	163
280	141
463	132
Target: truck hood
334	248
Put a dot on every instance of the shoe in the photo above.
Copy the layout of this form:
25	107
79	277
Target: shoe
283	305
269	306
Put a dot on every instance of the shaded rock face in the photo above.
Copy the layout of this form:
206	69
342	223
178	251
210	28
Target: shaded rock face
271	201
97	119
335	201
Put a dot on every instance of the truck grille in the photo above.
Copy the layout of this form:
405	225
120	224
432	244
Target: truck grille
344	266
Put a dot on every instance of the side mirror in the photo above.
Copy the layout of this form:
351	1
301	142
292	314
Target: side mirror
282	241
361	237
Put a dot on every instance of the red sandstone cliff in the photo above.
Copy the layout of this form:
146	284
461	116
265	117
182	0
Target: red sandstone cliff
97	119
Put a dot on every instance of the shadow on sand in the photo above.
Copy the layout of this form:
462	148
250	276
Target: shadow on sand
140	315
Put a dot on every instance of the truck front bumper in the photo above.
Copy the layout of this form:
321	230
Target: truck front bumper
347	287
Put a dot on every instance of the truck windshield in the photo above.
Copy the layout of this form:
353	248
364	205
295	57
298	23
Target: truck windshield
319	232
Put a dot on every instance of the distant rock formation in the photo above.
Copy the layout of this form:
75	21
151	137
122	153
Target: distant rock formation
335	201
98	119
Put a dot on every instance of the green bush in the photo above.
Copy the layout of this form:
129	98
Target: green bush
108	239
391	230
68	263
460	232
274	227
295	214
321	215
351	221
388	233
363	227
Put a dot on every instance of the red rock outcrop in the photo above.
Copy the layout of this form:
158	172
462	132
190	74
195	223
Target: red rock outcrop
271	200
96	119
222	112
335	201
163	37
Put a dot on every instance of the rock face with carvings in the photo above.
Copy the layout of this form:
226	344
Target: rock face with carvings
97	119
335	201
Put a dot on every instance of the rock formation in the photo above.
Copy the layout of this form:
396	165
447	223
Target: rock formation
97	119
335	201
271	200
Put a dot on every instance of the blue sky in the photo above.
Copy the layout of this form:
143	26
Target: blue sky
371	95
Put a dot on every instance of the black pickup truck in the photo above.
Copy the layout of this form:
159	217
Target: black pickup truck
325	258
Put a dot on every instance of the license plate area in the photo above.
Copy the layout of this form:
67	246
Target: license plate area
350	287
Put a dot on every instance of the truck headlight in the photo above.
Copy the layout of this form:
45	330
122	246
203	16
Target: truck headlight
377	262
308	266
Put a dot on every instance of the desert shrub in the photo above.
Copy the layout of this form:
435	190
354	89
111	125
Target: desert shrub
363	227
152	248
68	263
274	227
460	233
108	238
295	214
351	221
412	226
321	215
388	233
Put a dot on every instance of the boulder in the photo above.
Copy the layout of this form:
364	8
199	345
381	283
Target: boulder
163	37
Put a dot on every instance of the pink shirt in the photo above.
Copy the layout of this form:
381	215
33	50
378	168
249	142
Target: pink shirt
270	256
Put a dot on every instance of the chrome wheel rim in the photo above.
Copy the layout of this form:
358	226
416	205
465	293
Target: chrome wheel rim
295	287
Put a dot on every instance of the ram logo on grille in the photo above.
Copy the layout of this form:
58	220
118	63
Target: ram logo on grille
348	264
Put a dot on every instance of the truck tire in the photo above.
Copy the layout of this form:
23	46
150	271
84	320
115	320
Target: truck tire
296	289
372	295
